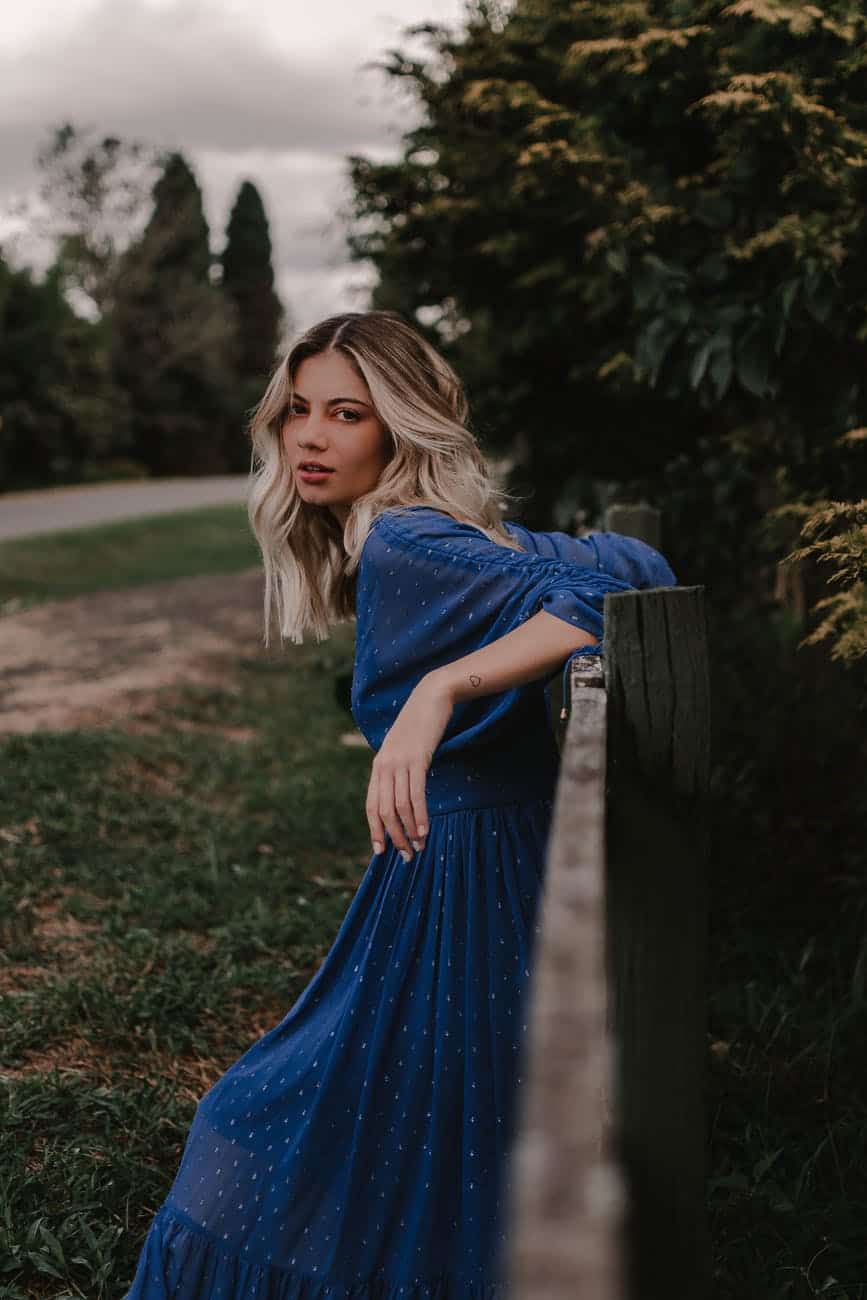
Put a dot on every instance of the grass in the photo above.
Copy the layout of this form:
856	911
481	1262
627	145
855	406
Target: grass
213	539
167	891
165	895
787	1191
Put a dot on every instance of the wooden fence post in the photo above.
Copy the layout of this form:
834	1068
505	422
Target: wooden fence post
656	673
609	1162
641	521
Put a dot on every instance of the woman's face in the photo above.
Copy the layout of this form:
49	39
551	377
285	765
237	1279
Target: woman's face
332	422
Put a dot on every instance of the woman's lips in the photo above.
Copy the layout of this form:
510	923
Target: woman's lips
314	476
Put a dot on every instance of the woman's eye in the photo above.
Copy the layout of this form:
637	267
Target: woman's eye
344	410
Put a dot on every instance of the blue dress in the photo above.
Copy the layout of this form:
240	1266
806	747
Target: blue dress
359	1149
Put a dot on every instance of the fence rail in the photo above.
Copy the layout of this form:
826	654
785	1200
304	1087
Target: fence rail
608	1200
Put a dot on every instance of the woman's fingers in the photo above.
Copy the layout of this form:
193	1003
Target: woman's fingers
371	808
403	803
417	776
388	809
396	804
381	810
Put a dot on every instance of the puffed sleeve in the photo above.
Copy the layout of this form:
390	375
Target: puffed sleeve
432	590
627	558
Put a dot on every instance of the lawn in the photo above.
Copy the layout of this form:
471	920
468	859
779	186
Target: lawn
167	889
213	539
165	897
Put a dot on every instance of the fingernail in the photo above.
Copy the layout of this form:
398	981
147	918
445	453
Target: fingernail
415	844
422	830
407	857
377	846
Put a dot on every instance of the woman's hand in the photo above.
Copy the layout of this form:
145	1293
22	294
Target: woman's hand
396	793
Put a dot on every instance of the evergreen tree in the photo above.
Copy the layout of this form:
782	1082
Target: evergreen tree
248	283
177	238
248	279
174	339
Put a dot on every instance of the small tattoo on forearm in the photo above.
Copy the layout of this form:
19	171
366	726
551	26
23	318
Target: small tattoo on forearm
474	680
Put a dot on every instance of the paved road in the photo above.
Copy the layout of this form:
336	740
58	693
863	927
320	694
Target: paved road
51	510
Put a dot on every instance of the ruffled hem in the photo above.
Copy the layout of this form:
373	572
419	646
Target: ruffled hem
181	1262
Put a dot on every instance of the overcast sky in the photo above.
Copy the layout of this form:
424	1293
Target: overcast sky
270	90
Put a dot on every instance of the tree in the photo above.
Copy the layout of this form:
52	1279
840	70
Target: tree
651	215
93	199
248	282
248	279
174	340
61	417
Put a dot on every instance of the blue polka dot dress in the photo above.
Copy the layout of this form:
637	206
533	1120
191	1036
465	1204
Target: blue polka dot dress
359	1149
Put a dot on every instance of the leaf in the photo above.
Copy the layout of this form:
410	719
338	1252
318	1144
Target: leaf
715	210
654	344
819	297
699	364
753	358
53	1244
721	370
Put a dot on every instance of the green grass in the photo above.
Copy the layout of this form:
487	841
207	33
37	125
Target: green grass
787	1191
167	891
165	896
213	539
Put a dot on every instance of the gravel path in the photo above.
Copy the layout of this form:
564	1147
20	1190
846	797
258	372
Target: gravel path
51	510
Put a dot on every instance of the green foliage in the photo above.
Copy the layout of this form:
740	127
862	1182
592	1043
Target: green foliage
174	340
248	279
248	283
843	547
59	406
650	219
787	964
130	358
94	197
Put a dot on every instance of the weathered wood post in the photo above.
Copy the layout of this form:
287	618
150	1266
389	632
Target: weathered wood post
656	675
642	521
609	1178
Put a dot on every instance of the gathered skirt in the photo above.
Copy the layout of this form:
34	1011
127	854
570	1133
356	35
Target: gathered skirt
360	1149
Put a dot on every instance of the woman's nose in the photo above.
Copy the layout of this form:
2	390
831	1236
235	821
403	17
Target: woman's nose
311	435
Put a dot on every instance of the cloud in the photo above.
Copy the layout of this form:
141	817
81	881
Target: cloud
238	101
194	73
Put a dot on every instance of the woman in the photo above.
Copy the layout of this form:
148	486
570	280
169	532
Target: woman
359	1148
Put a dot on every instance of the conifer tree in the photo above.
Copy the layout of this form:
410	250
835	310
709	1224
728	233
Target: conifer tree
174	341
248	279
248	286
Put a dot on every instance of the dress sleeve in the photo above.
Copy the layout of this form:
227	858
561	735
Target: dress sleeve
432	590
627	558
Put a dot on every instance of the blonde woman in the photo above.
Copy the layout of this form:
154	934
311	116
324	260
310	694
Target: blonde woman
358	1150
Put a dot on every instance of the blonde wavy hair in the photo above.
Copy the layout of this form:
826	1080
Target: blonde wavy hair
310	561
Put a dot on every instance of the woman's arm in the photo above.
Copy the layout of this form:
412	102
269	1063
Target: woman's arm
526	653
396	793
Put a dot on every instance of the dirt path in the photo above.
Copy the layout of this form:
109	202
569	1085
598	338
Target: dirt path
89	660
